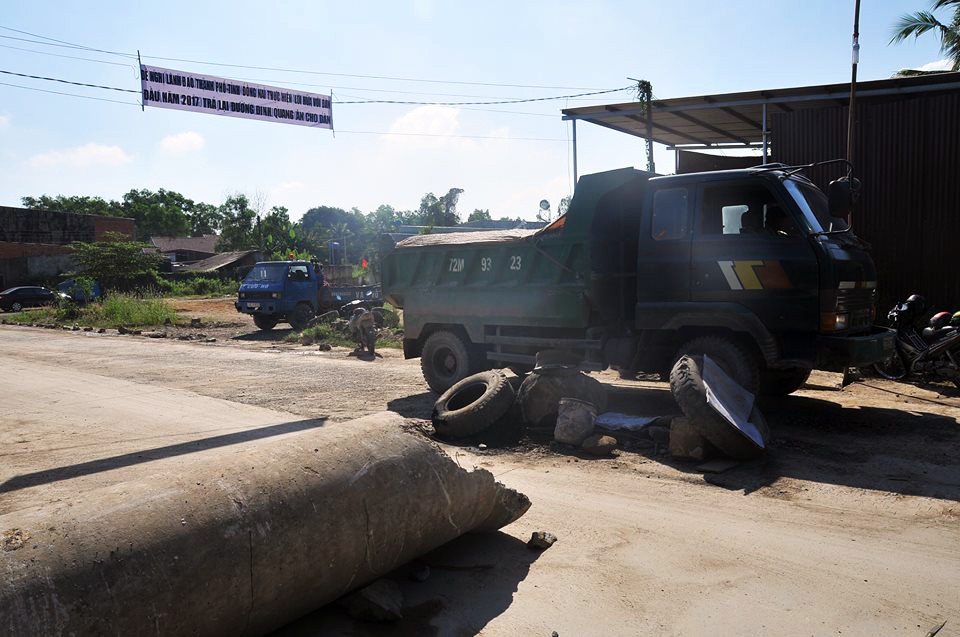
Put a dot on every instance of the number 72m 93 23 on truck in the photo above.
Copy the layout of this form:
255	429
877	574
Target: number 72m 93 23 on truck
751	267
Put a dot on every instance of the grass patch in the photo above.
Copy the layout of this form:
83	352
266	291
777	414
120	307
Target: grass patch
337	333
202	287
116	310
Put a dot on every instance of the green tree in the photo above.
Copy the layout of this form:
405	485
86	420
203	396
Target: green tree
921	22
440	211
76	204
163	213
479	215
564	205
204	219
116	261
238	231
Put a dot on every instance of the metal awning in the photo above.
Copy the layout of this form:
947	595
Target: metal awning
738	119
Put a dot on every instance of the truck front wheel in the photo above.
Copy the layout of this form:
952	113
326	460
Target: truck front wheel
301	316
445	360
783	382
733	358
264	322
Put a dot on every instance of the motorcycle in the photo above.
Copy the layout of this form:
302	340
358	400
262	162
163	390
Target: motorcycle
364	330
930	349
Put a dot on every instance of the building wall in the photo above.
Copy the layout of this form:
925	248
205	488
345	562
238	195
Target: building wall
907	154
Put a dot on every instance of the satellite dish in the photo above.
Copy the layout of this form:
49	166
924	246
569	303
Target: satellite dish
544	204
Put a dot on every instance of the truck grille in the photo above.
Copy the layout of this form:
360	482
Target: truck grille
860	303
257	294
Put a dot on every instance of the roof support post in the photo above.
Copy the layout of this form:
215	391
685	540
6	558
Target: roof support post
574	122
766	134
648	106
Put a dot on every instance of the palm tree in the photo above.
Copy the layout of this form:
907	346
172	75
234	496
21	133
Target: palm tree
916	24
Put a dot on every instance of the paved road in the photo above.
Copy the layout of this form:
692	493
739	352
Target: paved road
845	529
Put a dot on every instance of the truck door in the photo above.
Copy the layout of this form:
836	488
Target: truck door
749	250
301	286
663	264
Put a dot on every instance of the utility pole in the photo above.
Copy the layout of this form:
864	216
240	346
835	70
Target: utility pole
851	117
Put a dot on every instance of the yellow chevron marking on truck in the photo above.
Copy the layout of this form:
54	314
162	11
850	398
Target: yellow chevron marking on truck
754	274
748	278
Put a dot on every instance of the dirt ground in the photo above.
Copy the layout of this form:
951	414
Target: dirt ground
850	525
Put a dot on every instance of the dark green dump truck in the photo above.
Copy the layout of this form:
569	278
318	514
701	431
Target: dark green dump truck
747	266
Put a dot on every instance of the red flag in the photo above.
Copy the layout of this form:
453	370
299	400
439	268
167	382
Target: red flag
364	263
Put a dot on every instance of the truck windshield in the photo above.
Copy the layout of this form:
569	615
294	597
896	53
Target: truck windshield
266	273
813	204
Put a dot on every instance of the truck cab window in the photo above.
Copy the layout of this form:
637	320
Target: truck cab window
671	214
298	273
743	209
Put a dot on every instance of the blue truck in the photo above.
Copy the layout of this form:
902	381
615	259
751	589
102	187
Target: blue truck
295	292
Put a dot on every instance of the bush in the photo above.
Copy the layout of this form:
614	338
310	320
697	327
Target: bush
129	311
196	286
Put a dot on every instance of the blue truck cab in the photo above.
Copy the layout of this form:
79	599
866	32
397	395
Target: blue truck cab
282	291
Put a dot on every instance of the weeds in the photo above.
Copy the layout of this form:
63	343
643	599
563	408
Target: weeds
114	311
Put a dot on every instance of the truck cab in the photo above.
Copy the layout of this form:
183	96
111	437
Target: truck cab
277	291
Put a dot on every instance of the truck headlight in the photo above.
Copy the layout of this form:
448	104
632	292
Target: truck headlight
274	295
243	295
834	321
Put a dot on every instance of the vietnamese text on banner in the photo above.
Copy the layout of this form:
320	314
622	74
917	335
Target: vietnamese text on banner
165	88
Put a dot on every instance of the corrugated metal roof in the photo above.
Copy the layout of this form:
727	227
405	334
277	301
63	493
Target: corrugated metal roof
218	261
206	243
736	118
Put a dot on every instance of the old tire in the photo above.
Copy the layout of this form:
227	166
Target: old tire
783	382
263	322
539	396
473	404
689	391
733	358
445	360
301	316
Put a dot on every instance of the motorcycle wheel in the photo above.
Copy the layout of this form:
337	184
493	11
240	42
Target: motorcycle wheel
892	367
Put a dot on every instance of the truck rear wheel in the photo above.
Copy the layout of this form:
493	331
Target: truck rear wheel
783	382
301	316
445	360
734	359
264	322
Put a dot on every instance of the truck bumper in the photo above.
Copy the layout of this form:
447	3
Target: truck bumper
839	352
256	307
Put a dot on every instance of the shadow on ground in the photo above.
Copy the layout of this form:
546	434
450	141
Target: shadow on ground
472	581
140	456
263	336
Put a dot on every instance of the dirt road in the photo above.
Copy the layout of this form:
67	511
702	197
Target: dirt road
851	526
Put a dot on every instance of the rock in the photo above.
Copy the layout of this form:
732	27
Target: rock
420	573
378	602
575	421
324	347
482	447
155	334
101	331
88	329
686	441
195	322
75	328
660	435
123	330
209	340
599	445
541	540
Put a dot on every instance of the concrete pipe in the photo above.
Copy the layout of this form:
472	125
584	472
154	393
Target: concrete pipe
244	543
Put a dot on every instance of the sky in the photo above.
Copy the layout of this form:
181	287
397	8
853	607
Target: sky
506	158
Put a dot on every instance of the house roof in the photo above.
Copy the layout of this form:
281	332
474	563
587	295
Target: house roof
206	243
218	261
737	118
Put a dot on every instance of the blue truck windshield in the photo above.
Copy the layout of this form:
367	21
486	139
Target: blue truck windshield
267	273
813	204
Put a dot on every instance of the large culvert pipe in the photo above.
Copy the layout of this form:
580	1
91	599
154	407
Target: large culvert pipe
245	542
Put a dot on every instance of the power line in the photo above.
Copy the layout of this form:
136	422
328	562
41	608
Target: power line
69	57
56	42
86	97
519	101
54	79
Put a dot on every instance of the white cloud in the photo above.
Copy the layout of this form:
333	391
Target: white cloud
81	157
182	143
939	65
427	120
4	121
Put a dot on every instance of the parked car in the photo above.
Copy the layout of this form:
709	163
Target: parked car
15	299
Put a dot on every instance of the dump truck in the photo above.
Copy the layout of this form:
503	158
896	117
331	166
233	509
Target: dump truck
295	292
754	267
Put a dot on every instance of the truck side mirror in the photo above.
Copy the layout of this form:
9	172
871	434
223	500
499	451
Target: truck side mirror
842	194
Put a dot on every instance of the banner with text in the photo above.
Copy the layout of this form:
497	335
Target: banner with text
165	88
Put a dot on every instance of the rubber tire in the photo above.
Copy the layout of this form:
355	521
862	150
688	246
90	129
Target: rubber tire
732	358
454	419
300	317
689	391
882	369
264	322
16	307
456	365
783	382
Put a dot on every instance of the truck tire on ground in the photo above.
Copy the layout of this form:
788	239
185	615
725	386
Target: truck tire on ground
445	360
265	323
539	396
783	382
473	404
301	316
689	392
732	358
